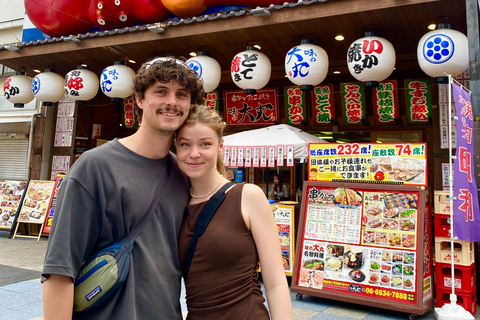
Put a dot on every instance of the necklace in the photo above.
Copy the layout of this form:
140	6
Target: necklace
194	196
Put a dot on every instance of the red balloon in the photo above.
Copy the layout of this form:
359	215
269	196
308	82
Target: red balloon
111	14
147	12
59	17
248	3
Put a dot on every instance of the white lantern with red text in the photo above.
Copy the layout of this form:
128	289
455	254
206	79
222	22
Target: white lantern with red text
250	70
81	84
117	81
17	89
371	59
443	52
48	87
206	68
306	65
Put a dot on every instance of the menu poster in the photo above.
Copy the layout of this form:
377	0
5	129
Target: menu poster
11	195
284	216
53	202
36	201
361	240
399	163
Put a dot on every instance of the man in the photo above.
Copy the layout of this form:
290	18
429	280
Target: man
108	191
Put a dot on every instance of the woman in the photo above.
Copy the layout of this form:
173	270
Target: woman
279	190
223	282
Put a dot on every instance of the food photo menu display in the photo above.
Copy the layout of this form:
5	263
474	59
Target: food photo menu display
361	241
11	195
36	202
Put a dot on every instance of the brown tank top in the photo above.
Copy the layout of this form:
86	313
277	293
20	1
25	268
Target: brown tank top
222	281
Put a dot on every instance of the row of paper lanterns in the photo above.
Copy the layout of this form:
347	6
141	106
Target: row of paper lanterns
370	59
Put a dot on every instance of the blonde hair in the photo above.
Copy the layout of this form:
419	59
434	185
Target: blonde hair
207	116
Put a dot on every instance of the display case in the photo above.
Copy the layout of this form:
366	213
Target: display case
365	243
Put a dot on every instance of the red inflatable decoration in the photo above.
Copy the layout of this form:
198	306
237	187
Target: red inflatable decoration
65	17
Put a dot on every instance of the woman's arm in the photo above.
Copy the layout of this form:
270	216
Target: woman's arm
258	214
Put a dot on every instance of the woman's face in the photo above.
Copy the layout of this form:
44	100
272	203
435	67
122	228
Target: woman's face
197	150
275	180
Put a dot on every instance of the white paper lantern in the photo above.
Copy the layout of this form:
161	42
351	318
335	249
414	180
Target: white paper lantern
17	89
48	87
250	70
371	59
117	81
81	84
306	65
206	68
443	51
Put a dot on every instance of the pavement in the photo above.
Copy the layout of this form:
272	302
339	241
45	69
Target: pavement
21	261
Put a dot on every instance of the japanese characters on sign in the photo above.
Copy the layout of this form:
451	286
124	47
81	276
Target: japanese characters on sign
240	156
250	70
280	155
233	159
466	215
129	120
323	104
253	109
295	105
60	164
306	65
400	163
226	156
53	202
284	217
271	156
248	157
290	155
11	194
385	101
353	101
65	123
211	100
36	201
418	100
256	157
263	156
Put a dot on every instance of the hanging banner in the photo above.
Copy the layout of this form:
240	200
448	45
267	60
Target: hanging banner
466	217
129	119
226	156
295	105
399	163
353	102
385	102
418	100
251	109
271	156
280	150
263	156
256	157
233	159
323	104
240	156
53	202
290	155
211	100
248	157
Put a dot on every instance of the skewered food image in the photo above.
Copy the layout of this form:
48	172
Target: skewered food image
346	196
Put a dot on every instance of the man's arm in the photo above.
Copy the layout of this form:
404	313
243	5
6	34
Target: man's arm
57	298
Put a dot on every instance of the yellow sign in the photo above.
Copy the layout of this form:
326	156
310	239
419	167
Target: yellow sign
399	163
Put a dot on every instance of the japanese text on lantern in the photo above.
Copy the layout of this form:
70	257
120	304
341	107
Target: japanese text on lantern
353	102
323	105
211	100
254	109
300	63
74	82
295	105
248	62
386	102
357	51
418	100
129	114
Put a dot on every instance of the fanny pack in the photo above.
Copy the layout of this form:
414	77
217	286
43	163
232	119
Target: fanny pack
106	271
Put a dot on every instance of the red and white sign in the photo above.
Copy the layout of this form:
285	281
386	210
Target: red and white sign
280	155
290	155
263	156
248	157
251	109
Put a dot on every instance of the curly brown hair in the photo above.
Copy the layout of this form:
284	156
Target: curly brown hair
166	70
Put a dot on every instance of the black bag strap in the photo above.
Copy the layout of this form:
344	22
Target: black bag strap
202	223
156	200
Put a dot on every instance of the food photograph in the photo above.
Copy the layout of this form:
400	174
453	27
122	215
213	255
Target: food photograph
347	198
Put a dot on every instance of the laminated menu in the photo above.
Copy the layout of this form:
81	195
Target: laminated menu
11	195
367	241
284	217
36	201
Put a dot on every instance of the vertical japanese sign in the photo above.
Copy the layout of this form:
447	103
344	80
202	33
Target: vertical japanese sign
226	156
271	156
211	100
466	217
295	105
323	104
128	119
233	160
263	156
445	140
53	202
353	101
240	156
280	155
60	164
290	155
65	123
418	100
248	157
256	157
385	102
284	217
251	109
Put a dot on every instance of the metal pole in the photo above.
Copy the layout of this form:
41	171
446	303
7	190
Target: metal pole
474	52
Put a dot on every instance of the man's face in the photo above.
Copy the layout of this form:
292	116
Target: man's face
165	106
